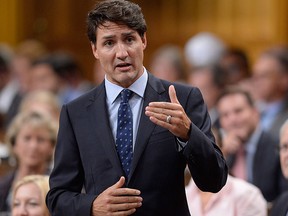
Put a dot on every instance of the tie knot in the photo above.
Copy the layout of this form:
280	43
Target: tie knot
125	95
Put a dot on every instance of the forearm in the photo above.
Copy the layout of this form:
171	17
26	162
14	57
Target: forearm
205	161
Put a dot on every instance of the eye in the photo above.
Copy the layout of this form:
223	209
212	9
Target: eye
130	39
27	138
33	203
41	139
283	148
108	43
16	204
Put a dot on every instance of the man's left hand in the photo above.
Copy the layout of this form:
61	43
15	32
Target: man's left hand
170	115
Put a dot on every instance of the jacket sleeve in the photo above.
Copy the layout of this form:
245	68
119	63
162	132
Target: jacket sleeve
205	160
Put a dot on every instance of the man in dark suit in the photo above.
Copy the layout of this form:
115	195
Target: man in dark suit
171	128
249	150
280	206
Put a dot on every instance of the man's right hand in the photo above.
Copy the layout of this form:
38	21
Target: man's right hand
116	200
231	143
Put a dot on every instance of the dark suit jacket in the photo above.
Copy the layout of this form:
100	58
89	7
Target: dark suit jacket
5	187
86	155
280	207
267	175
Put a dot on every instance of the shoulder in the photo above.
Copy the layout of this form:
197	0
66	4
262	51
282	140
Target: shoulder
6	182
280	205
244	190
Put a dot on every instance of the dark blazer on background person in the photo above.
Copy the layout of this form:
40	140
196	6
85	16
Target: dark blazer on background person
86	154
280	206
5	187
267	174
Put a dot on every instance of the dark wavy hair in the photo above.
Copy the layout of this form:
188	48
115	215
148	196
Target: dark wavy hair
117	11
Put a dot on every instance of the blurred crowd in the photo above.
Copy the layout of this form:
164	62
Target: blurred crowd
247	103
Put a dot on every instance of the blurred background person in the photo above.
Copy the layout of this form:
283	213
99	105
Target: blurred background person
71	73
43	102
168	63
270	75
211	80
28	196
280	206
15	75
250	151
10	95
9	99
204	49
26	52
32	138
59	73
236	198
236	64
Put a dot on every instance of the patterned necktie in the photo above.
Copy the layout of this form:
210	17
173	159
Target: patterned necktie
124	136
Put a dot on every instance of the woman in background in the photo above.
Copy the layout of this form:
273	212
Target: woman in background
28	196
32	138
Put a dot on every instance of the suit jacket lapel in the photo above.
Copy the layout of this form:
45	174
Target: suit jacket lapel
100	126
153	92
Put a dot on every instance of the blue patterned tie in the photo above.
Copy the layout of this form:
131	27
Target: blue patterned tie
124	136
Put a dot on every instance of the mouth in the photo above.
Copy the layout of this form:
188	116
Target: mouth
123	66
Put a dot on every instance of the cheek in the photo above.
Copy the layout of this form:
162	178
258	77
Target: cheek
37	211
46	150
20	148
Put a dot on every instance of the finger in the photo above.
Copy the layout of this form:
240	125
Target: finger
172	94
124	206
126	199
121	213
125	191
118	184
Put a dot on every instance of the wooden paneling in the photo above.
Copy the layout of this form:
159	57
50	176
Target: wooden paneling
251	25
8	21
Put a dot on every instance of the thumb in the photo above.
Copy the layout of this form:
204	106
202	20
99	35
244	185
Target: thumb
120	183
172	94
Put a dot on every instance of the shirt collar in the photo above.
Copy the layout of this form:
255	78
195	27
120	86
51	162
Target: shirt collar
113	90
251	144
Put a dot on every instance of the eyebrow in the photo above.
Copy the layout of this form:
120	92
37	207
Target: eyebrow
123	34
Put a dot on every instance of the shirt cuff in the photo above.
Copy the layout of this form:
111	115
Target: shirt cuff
181	145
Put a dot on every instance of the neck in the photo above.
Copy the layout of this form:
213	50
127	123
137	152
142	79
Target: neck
30	170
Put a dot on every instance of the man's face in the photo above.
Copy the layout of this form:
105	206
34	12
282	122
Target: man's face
271	82
284	152
202	79
44	78
120	51
237	116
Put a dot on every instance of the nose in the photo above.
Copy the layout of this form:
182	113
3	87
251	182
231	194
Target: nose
20	211
121	51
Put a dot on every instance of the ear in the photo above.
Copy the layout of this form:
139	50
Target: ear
144	41
94	50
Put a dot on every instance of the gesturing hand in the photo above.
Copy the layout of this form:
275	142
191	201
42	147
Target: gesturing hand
116	200
171	116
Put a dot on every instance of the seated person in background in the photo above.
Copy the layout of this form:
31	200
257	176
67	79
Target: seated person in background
280	206
236	198
270	75
168	63
28	196
236	64
250	151
211	81
32	138
43	102
59	73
